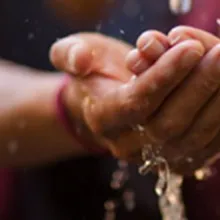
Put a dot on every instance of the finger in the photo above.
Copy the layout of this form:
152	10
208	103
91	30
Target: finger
137	99
72	55
181	33
179	111
203	131
150	46
85	53
136	63
204	158
196	139
155	84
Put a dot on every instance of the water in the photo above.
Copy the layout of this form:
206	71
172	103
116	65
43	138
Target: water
126	196
168	187
170	202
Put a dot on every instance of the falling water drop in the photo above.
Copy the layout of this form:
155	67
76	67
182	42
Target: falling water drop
164	176
131	8
110	207
31	36
168	186
12	146
129	200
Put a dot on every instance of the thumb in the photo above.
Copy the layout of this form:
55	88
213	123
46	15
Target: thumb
72	55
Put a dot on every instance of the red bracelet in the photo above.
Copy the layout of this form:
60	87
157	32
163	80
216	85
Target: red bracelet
65	119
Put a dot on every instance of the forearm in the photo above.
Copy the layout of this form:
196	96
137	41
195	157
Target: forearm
30	132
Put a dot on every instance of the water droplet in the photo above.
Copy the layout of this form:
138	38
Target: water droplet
129	200
110	216
189	159
140	128
118	175
122	32
203	173
31	36
164	176
119	179
142	18
122	164
125	86
22	124
133	78
131	8
145	168
12	146
110	205
98	26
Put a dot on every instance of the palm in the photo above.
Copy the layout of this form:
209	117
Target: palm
108	70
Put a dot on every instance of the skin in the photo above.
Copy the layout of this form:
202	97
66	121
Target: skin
191	130
178	123
28	117
188	122
108	105
112	114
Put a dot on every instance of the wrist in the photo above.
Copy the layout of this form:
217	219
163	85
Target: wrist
68	104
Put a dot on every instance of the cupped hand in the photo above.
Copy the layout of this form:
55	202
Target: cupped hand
187	123
113	103
97	66
197	101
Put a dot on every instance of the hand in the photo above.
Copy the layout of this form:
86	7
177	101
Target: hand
199	145
187	123
117	103
97	66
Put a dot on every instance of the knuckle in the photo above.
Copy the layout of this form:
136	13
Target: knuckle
180	29
170	128
195	141
209	84
134	108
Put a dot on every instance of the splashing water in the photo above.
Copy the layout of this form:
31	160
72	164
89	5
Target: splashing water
170	203
168	186
126	196
110	207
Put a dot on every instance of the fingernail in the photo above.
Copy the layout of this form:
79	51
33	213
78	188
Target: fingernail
136	62
191	56
155	44
177	39
140	66
72	59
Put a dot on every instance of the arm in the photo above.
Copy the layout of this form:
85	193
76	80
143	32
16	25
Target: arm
29	130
